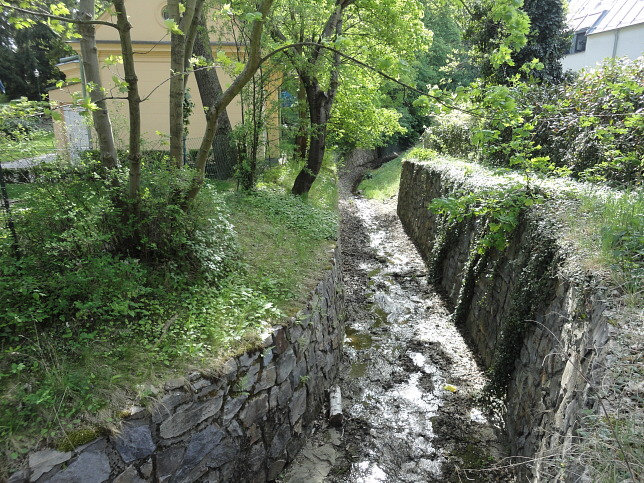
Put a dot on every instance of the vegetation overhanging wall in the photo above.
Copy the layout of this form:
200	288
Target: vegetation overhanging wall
539	325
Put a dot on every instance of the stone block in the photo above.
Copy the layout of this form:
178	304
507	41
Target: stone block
183	421
233	405
275	469
299	372
285	365
267	379
256	457
21	476
279	340
89	467
280	440
297	405
254	410
42	462
284	394
201	445
267	355
134	442
168	461
174	384
130	475
245	360
166	406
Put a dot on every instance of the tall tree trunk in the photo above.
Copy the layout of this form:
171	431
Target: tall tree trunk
133	98
319	108
177	83
320	102
224	152
180	53
100	116
212	117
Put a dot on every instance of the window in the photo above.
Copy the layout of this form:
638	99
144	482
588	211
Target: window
578	42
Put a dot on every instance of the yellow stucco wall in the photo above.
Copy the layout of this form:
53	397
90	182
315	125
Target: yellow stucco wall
152	58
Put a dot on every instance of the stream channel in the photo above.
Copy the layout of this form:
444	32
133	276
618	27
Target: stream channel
409	381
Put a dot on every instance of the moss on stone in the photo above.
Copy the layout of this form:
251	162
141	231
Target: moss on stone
78	437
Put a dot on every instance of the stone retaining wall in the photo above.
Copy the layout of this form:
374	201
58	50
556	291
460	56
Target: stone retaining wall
244	425
563	345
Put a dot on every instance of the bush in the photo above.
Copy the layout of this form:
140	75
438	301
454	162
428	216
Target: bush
20	118
86	262
593	125
590	126
451	134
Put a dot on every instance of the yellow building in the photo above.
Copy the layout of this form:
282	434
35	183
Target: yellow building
151	44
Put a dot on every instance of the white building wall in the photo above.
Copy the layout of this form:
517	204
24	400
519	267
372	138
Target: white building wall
630	43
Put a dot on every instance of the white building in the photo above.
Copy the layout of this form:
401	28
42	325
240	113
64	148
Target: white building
604	28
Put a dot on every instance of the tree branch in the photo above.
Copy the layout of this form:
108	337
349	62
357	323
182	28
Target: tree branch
57	17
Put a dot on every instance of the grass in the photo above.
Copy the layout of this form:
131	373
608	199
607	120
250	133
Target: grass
613	232
41	142
56	385
382	183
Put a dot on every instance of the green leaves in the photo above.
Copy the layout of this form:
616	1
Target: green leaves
172	26
500	207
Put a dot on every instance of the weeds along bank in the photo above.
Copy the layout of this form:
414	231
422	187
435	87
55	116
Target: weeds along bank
542	309
92	324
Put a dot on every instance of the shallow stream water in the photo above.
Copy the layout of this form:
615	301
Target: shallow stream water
410	384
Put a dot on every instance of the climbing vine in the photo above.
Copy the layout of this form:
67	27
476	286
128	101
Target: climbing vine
501	207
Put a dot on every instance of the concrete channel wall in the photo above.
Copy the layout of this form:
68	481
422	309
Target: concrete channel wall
558	356
241	426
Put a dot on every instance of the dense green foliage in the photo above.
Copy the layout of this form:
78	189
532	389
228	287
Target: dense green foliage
547	40
590	127
25	51
594	125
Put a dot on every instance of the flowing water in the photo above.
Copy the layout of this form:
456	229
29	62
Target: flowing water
410	383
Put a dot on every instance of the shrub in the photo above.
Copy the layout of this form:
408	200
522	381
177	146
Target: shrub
85	261
450	133
593	125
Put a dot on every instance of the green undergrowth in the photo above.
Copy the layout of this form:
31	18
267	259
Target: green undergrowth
382	183
122	325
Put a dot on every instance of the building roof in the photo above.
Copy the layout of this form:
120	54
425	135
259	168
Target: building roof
597	16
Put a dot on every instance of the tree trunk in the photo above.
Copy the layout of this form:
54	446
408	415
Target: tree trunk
224	152
254	60
100	116
319	107
320	103
133	99
177	69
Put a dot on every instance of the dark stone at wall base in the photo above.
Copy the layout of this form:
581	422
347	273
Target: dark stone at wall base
280	440
275	469
134	443
130	475
169	460
89	467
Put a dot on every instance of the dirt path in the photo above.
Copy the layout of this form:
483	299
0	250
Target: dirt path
409	381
